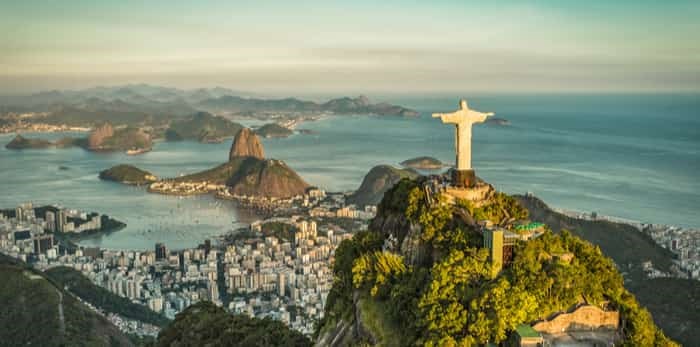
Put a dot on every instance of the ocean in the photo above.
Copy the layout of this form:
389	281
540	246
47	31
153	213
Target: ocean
630	156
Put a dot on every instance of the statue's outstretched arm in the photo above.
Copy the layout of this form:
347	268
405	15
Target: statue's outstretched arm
481	116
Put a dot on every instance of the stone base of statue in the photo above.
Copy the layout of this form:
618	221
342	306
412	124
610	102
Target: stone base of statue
478	195
464	178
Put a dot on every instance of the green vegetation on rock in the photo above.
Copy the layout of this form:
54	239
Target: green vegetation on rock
219	174
273	130
79	285
375	270
378	180
423	163
127	174
266	177
108	138
21	142
501	210
66	142
128	138
451	297
38	312
203	127
622	242
253	177
666	298
205	324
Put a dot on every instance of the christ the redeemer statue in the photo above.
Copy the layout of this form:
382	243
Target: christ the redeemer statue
463	120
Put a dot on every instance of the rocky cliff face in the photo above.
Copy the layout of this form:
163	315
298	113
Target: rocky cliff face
99	135
246	144
107	138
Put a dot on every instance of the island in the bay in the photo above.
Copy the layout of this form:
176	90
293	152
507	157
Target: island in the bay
376	182
423	163
497	121
273	130
21	142
127	174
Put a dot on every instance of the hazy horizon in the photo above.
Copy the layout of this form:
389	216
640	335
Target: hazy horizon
443	47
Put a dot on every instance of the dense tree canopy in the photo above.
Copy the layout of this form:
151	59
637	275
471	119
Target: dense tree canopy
455	301
377	270
501	209
205	324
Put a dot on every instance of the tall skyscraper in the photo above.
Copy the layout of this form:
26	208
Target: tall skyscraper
61	220
50	219
281	284
19	215
161	251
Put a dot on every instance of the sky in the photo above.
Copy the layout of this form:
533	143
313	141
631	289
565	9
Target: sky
358	46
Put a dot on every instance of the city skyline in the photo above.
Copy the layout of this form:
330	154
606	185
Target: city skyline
359	47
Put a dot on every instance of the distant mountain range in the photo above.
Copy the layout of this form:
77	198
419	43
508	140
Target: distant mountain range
346	105
142	101
138	94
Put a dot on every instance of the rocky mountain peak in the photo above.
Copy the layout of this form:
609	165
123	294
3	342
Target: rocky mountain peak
246	144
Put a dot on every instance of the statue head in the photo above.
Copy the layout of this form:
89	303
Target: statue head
463	104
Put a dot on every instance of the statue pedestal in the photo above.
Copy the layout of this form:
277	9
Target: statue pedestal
478	195
463	178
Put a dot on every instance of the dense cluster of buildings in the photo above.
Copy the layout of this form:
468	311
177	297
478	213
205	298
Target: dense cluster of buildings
28	230
166	282
283	273
284	278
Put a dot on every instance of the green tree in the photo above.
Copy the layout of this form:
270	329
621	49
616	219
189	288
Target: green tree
443	307
498	310
377	270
